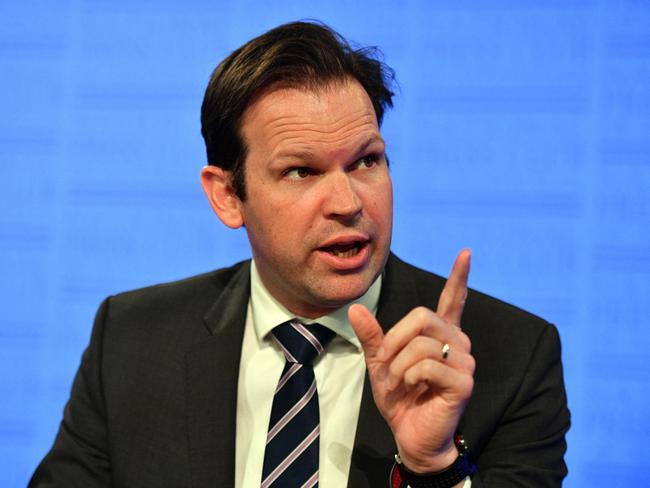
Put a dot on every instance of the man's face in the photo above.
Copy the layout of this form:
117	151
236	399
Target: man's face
318	211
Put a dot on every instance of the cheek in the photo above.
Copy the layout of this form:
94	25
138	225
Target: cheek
288	222
381	202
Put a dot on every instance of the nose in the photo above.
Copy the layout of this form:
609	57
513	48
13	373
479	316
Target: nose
342	199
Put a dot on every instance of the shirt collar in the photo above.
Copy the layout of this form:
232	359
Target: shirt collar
268	312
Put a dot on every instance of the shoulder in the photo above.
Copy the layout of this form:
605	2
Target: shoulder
168	311
195	292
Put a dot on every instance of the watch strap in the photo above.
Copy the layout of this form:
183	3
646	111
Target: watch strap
461	468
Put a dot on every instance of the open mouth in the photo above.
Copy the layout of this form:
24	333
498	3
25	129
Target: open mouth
347	250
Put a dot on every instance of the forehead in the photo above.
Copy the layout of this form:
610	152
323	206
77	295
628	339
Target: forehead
325	118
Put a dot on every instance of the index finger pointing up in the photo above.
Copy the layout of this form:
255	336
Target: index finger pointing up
452	298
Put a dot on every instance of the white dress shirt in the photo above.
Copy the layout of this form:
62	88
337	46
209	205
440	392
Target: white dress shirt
339	372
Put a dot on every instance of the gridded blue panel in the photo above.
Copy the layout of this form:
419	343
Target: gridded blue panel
520	130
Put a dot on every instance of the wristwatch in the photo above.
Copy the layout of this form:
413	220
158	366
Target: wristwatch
461	468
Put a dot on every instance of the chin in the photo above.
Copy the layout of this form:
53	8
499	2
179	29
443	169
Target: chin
346	290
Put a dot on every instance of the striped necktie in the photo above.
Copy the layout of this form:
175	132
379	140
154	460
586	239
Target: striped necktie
291	455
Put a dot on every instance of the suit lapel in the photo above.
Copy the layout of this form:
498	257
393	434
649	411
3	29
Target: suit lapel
212	371
374	446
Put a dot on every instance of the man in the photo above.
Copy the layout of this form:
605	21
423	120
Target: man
184	384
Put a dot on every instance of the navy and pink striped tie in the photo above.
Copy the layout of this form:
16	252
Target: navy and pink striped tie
291	455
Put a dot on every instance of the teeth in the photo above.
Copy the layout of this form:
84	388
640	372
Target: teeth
345	254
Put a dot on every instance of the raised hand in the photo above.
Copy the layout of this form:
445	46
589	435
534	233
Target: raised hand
421	373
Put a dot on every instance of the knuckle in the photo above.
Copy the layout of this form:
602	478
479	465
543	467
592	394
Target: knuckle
416	375
430	367
422	346
421	371
466	385
422	314
465	340
471	364
434	367
410	376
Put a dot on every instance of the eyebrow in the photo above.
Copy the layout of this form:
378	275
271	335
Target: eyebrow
304	155
370	141
307	155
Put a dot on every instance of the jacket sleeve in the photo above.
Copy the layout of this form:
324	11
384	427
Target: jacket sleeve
79	456
527	448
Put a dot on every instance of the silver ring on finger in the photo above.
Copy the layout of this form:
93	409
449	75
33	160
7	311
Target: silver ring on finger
445	351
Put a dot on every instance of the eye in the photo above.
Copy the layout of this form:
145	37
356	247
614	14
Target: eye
298	173
366	162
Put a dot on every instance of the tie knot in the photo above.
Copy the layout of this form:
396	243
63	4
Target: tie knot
301	343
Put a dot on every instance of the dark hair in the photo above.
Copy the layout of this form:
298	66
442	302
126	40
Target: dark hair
298	54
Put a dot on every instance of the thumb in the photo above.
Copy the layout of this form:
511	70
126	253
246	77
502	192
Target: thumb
367	329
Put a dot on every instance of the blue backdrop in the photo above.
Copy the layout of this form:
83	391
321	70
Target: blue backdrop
521	130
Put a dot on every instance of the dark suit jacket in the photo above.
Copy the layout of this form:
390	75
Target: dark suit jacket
154	401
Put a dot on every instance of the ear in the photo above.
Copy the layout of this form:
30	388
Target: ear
217	186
